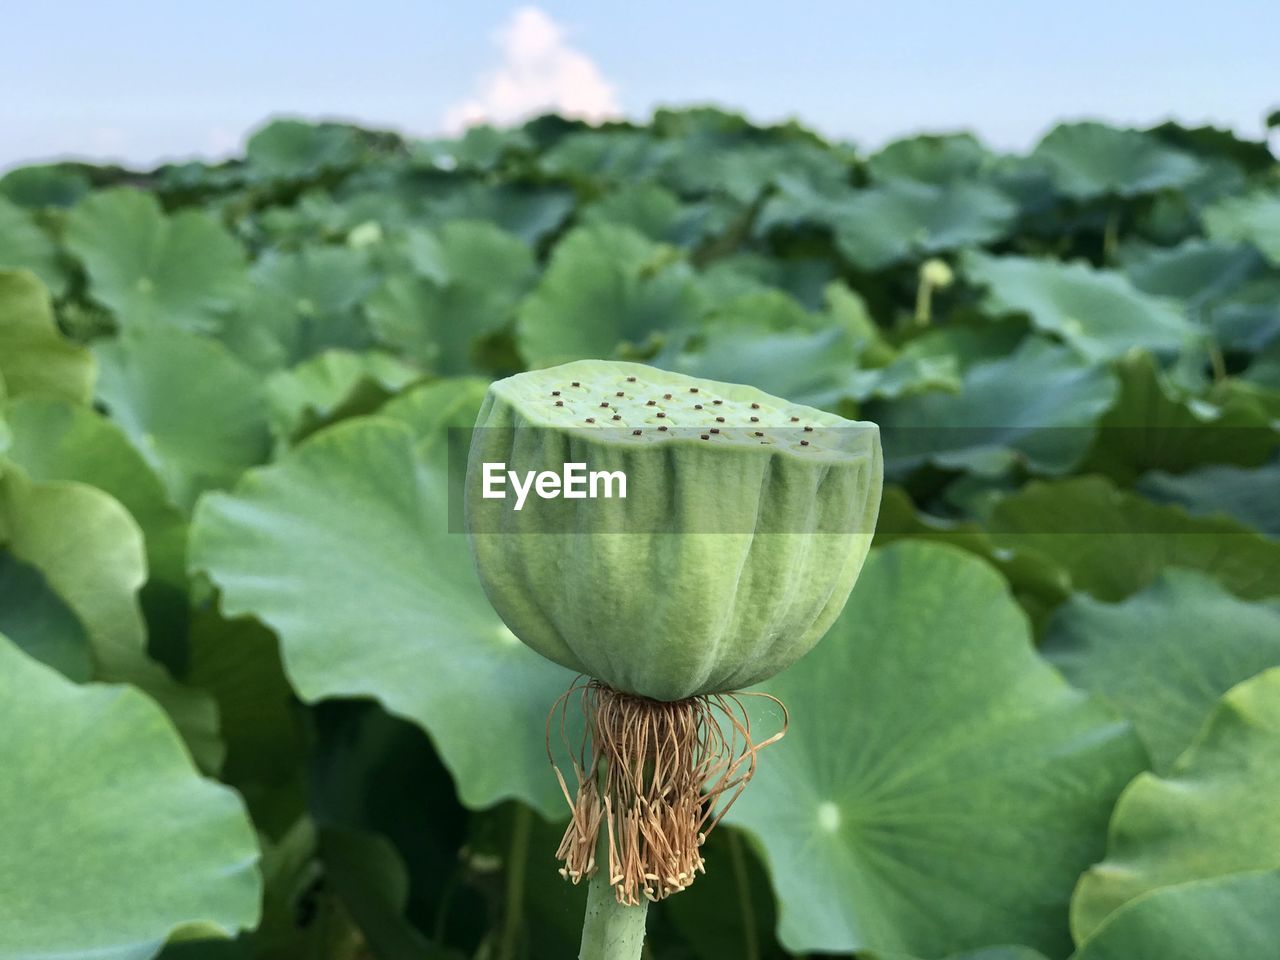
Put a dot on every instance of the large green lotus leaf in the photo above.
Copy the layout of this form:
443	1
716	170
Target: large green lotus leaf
34	356
90	552
471	275
481	147
23	245
1227	917
709	164
150	268
196	413
901	219
331	386
729	912
941	787
1254	218
370	878
656	212
112	842
57	440
473	253
1197	272
35	618
1036	407
605	286
1098	312
296	150
1087	160
1151	426
1038	584
931	158
531	213
343	549
1248	496
44	185
818	367
1114	543
615	157
237	662
1164	656
1213	815
986	953
301	303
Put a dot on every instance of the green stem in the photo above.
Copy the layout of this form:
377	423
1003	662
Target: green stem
1111	236
516	863
924	302
610	930
750	948
1217	362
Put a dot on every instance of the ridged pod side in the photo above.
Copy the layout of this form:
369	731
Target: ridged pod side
729	557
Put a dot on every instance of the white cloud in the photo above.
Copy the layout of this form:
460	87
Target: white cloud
540	72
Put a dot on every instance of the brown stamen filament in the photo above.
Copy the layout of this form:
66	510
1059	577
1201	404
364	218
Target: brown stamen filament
659	775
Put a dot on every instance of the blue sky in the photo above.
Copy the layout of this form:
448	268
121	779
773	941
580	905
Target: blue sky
147	80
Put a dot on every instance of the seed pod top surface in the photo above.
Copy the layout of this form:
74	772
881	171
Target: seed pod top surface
745	523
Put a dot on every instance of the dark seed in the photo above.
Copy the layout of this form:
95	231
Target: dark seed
715	429
616	417
666	396
555	393
663	427
719	419
635	433
559	403
575	384
804	443
619	394
631	379
755	419
652	403
705	437
759	434
697	406
604	403
661	414
693	389
808	429
591	419
755	406
717	402
795	419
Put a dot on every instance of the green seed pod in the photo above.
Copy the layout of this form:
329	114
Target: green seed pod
745	523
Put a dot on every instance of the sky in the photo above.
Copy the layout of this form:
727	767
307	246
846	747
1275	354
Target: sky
142	82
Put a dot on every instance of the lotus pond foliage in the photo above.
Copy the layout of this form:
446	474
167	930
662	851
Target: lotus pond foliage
255	703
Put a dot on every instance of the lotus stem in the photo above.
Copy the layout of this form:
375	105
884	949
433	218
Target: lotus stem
611	930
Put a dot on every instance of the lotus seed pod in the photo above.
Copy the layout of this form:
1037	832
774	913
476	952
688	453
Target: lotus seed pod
937	273
745	523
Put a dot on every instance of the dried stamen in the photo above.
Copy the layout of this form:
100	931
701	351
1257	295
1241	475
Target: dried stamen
659	776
